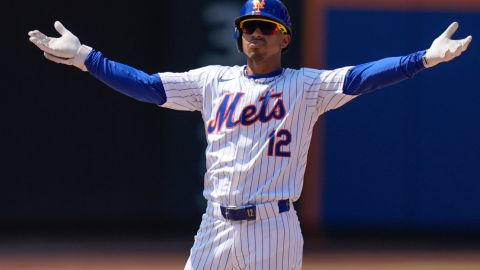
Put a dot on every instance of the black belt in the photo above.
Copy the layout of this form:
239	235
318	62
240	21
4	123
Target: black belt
248	212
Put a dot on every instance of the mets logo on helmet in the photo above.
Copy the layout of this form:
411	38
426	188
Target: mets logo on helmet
257	5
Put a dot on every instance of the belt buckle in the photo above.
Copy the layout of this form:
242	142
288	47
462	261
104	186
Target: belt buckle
227	211
249	210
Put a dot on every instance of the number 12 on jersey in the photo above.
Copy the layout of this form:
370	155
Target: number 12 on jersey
278	139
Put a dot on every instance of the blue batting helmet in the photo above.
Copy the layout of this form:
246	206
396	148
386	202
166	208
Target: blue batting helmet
273	10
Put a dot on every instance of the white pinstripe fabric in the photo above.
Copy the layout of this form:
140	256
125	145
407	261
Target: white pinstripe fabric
239	171
241	168
273	242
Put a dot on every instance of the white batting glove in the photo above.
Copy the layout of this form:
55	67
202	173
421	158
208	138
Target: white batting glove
444	48
66	49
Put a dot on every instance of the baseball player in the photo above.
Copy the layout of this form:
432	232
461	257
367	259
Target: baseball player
258	120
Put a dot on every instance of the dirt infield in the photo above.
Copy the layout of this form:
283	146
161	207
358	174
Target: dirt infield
356	261
94	256
399	260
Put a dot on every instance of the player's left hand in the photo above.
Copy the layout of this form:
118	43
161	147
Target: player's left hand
444	49
65	49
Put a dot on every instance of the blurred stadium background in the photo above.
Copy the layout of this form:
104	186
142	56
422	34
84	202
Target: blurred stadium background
91	179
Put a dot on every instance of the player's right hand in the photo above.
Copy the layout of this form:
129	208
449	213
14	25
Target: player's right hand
65	49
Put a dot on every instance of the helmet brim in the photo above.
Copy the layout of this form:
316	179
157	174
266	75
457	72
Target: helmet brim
238	20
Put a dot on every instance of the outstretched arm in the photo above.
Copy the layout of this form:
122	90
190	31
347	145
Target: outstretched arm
68	50
371	76
125	79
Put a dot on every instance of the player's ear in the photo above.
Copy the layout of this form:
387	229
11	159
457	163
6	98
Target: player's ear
285	40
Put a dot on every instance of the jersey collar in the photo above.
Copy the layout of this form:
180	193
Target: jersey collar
262	76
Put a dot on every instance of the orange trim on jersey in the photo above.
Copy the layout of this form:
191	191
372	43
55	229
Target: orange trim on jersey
271	115
229	113
216	125
279	144
279	105
254	116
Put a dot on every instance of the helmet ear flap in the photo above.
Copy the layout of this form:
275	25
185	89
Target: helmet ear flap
237	35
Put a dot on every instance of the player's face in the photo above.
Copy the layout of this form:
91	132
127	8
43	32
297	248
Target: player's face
262	40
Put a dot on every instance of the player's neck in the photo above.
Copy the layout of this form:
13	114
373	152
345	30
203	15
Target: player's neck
262	67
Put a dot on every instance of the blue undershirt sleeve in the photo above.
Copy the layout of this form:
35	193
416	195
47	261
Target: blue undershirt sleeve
371	76
126	80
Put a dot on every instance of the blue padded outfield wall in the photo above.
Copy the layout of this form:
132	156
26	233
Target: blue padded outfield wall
408	156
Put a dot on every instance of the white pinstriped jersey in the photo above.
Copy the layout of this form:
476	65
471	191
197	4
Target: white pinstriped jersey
258	130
